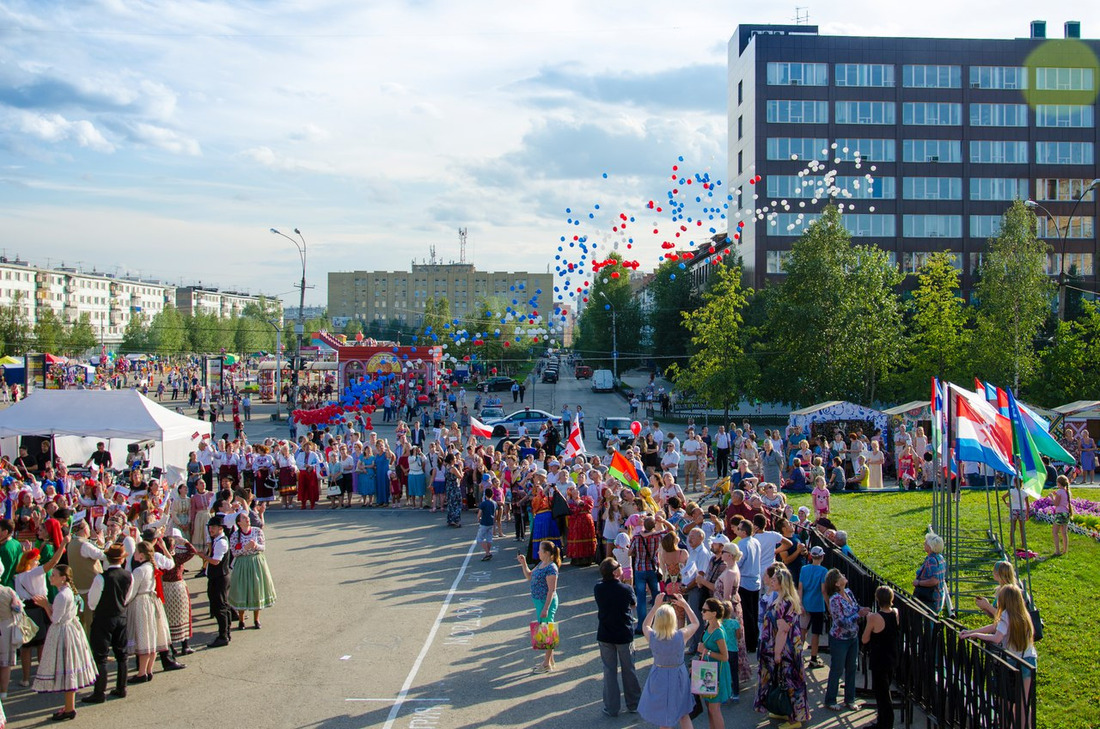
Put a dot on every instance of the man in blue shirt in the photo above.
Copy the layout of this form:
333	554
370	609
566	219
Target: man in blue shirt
487	510
750	583
811	578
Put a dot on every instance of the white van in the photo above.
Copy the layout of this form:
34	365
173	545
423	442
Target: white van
603	381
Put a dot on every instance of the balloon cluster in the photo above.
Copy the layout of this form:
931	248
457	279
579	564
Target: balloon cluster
697	221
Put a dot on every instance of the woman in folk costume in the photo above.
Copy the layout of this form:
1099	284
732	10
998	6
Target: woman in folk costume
66	664
179	509
177	600
263	466
251	587
288	474
200	516
310	468
146	622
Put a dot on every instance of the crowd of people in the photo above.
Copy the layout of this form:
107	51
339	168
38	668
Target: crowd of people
95	564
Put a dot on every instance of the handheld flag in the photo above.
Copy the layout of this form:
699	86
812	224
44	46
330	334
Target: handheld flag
575	444
1032	472
623	470
480	429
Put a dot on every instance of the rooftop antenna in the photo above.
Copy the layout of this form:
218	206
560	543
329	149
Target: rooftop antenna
801	16
461	245
431	252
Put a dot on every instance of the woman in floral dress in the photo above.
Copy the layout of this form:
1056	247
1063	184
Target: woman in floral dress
780	648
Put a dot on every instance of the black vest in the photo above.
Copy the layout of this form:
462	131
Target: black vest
112	603
219	573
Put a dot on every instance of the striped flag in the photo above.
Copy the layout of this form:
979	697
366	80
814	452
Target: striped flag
982	433
480	429
623	470
1032	471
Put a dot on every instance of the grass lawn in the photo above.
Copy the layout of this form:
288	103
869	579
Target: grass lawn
887	532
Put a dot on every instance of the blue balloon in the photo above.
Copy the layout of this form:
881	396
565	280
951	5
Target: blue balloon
605	175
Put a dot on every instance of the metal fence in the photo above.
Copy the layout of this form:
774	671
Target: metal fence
954	682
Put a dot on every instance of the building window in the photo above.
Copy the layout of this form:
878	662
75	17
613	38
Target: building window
985	226
997	152
931	150
740	127
777	261
740	92
790	224
1063	153
740	162
998	115
932	226
998	188
998	77
1061	188
932	188
931	77
865	225
931	113
860	188
914	261
865	112
785	148
869	150
782	111
1063	115
1077	264
798	74
1080	227
865	74
1064	79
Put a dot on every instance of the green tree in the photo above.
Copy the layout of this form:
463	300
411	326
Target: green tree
352	328
1014	300
15	329
49	330
673	295
1068	368
167	332
80	336
938	331
833	325
718	372
251	335
135	337
612	315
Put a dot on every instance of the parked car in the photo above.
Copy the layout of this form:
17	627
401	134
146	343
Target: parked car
583	372
603	381
550	375
605	426
496	384
508	426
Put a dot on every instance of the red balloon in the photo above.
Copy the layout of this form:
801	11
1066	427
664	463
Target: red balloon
635	428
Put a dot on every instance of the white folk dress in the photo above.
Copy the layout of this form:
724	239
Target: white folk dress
146	622
67	663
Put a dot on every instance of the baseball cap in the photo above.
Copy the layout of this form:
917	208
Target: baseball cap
817	552
720	539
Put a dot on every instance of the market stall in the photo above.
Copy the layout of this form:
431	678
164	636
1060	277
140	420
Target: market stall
825	418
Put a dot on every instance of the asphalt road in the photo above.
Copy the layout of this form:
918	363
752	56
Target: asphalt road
386	618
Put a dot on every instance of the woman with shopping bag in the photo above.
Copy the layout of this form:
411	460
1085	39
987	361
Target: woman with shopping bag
713	650
544	594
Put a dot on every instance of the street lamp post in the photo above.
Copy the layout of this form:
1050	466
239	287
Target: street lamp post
278	369
614	338
1064	235
300	327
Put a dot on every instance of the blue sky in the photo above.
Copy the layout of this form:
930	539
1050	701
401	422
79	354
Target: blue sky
167	138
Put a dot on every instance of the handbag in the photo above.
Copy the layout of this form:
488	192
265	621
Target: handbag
926	595
28	629
778	700
559	507
333	488
704	678
544	636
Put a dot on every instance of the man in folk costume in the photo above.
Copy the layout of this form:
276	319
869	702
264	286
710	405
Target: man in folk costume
86	561
107	598
217	584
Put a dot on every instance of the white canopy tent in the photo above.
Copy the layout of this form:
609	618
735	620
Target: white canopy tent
77	419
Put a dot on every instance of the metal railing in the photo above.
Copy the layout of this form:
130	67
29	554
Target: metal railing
954	682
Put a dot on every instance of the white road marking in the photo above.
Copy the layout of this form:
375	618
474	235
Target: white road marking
396	708
345	658
406	700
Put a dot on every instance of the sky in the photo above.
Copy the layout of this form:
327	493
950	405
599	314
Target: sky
165	139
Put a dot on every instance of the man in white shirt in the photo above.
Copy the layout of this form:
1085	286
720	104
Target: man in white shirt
691	575
692	450
658	434
580	420
769	541
670	460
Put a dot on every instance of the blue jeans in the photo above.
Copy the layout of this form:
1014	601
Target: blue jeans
643	579
842	657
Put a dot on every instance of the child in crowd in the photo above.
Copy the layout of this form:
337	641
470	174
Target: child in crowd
820	496
486	522
498	499
621	552
1063	509
1019	510
730	626
811	578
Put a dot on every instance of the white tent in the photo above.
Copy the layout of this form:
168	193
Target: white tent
77	419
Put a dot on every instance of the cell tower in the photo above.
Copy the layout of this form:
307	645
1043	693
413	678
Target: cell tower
461	245
801	16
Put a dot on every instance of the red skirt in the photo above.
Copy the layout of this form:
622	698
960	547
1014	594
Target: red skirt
308	488
581	541
263	488
288	484
230	472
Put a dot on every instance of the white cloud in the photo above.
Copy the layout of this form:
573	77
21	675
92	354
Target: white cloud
54	128
165	139
267	157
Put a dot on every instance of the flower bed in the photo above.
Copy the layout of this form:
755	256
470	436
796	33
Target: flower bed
1084	521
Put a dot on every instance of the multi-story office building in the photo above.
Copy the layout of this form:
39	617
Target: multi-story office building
956	130
399	296
109	301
